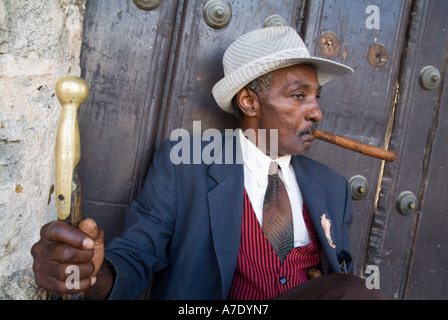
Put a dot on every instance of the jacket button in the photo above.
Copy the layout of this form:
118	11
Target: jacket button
283	280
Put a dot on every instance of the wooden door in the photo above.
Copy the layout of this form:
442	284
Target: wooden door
151	72
412	250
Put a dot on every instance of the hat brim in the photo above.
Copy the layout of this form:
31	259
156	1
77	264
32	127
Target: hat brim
224	90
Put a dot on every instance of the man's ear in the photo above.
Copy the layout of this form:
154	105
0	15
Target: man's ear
248	102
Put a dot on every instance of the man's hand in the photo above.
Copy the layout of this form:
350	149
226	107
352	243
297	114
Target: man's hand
62	245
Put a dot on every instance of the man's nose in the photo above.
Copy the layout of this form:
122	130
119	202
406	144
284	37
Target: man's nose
313	114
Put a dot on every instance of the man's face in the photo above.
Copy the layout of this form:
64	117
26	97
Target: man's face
291	106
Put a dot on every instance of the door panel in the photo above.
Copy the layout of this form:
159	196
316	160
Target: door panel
358	106
431	239
124	60
198	61
397	240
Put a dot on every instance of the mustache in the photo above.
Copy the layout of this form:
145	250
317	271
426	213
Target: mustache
308	130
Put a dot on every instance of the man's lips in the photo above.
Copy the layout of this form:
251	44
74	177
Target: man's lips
308	138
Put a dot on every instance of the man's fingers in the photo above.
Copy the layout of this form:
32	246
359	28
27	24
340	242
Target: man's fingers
62	232
59	288
65	253
89	227
61	272
59	278
96	235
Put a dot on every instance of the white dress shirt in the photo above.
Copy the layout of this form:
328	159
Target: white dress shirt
256	168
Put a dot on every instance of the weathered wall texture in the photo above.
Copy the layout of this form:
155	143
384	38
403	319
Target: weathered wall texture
40	42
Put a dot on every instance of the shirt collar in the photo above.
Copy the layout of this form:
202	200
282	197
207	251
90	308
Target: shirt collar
258	162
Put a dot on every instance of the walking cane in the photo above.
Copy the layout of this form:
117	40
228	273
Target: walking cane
71	93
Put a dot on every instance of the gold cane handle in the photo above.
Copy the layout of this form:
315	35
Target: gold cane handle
71	93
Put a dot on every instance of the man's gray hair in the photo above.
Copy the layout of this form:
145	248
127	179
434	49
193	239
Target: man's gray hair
258	85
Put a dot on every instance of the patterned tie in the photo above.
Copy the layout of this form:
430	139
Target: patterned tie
277	215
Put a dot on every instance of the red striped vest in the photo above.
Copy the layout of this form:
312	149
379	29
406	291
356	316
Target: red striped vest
259	273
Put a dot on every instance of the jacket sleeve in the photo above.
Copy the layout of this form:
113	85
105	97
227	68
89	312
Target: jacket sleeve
149	224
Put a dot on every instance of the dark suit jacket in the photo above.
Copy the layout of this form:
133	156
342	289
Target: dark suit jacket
185	226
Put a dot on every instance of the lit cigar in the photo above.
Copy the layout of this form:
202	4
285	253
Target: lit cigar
356	146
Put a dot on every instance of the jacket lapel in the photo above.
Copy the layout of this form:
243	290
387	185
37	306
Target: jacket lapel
314	197
225	201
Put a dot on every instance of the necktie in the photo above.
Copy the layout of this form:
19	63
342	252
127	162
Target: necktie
277	215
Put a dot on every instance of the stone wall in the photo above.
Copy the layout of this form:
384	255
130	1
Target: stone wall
40	41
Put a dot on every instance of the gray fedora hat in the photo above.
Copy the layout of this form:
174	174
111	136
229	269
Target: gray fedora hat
264	50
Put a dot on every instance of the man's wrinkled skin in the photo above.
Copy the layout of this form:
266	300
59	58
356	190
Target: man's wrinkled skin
290	105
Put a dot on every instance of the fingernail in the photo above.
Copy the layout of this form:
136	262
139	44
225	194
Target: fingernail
87	243
92	281
92	222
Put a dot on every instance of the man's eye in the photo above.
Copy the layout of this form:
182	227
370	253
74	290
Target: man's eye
300	96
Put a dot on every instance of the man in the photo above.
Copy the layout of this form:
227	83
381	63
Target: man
241	230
